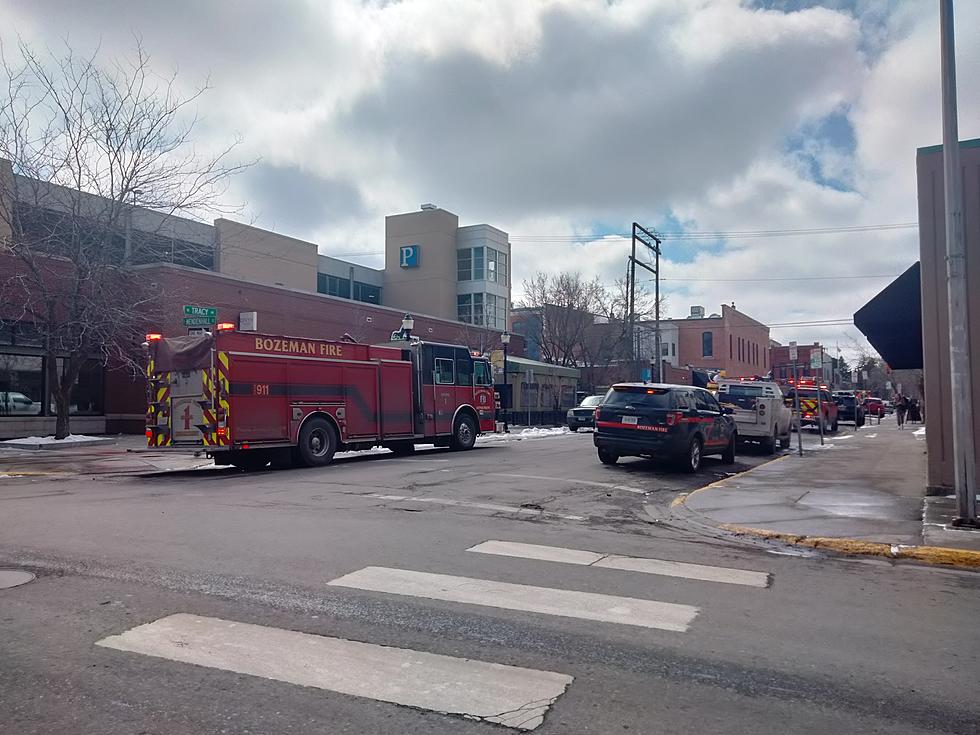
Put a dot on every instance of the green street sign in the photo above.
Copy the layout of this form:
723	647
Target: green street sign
198	321
208	312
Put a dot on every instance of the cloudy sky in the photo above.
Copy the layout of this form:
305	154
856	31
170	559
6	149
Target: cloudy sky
562	121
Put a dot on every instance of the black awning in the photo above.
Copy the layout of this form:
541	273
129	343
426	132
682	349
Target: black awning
892	321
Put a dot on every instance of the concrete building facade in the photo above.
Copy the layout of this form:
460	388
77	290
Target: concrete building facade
935	314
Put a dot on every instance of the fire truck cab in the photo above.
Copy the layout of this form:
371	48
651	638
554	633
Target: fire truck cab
249	399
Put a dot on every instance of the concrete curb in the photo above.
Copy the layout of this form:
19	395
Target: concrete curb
938	555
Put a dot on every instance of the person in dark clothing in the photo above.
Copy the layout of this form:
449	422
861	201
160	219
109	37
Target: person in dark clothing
901	406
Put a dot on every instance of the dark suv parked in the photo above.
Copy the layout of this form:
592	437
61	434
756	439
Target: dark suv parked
849	408
657	420
583	414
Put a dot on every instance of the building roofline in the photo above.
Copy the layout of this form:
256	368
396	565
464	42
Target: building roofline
974	143
399	312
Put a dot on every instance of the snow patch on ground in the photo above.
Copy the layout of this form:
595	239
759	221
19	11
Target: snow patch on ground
919	432
32	440
533	432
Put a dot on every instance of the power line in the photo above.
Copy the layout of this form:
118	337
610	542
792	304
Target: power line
723	234
686	235
777	278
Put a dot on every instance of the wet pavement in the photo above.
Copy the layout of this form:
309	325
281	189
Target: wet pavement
867	484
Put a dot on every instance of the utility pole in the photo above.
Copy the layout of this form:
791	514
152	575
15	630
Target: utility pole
652	243
961	400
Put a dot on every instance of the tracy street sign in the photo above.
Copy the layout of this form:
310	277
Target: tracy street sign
206	312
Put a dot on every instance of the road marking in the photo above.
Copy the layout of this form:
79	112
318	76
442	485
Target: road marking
467	504
507	695
610	485
564	603
870	436
660	567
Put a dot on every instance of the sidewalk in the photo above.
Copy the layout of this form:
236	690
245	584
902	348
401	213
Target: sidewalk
127	454
864	488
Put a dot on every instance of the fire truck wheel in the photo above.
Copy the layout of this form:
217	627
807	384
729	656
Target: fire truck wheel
464	433
317	442
833	427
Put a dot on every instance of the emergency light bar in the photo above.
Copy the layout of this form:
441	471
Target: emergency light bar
224	327
153	337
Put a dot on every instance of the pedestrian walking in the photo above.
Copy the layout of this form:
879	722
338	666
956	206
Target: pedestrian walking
901	406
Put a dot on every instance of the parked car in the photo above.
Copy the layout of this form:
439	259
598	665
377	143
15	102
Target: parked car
657	420
759	411
849	408
874	407
13	403
583	414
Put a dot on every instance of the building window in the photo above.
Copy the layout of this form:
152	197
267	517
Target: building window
367	293
673	349
478	264
464	264
21	385
707	344
87	393
332	285
464	308
444	371
665	350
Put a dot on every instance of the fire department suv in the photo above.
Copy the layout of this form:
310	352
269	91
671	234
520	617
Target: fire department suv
250	399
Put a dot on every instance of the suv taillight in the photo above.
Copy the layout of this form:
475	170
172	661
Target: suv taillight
598	414
673	417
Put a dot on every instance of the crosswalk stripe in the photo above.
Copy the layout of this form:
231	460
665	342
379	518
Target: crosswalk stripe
564	603
507	695
627	563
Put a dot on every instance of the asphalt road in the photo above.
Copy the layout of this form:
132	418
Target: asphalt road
824	645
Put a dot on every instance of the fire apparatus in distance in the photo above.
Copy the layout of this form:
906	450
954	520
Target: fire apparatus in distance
810	406
249	399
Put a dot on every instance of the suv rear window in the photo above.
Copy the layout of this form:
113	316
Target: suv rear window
639	397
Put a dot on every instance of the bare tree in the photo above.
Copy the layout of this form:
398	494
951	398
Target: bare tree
564	308
85	143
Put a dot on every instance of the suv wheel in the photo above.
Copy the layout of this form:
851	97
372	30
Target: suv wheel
693	460
728	456
607	457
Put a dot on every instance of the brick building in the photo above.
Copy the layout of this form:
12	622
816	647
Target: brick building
782	365
729	341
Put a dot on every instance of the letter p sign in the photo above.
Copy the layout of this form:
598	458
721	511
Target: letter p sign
409	256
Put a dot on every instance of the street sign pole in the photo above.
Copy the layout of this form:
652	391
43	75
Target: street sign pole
820	410
796	392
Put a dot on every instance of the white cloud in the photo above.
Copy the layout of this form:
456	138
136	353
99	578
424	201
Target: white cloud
558	116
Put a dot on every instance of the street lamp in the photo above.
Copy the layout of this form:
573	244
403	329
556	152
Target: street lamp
408	324
505	340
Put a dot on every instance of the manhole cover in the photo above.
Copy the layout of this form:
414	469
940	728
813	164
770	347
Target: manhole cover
14	577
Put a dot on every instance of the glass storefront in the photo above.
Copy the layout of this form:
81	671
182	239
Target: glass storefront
23	387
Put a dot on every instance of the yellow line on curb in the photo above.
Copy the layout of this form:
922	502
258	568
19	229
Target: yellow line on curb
928	554
851	546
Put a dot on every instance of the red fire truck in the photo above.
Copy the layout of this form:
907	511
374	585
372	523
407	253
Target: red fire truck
249	399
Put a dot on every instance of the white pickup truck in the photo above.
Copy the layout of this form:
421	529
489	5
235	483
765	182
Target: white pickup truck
760	411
